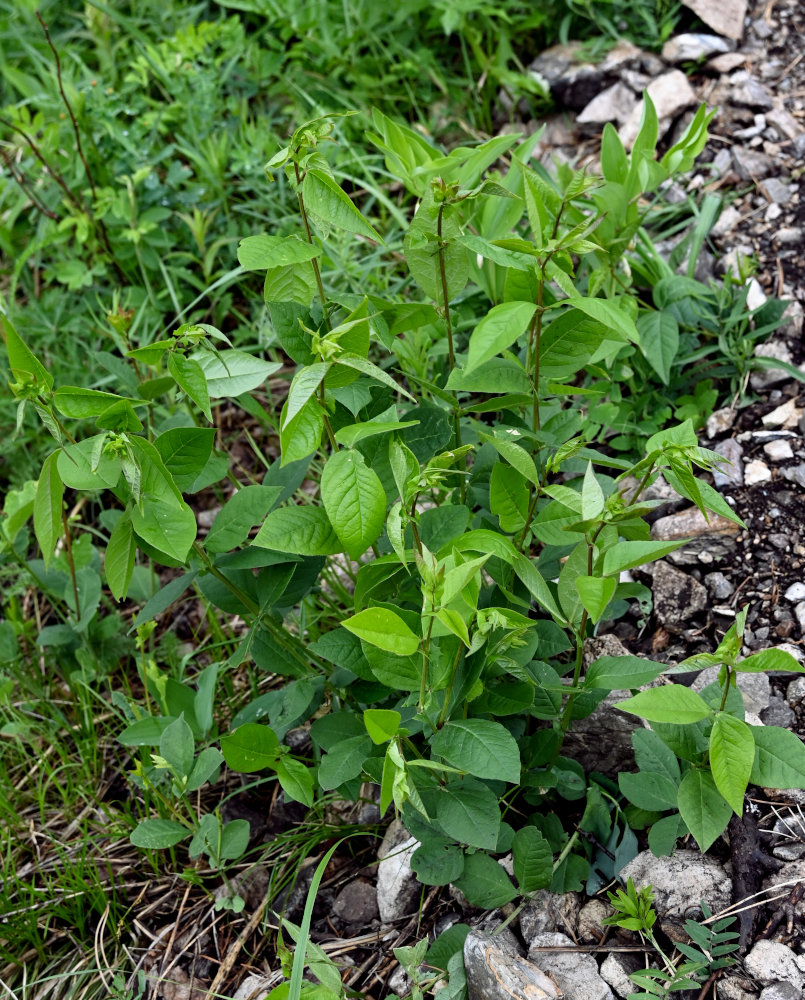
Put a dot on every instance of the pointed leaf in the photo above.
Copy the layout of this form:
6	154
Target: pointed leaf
355	501
732	755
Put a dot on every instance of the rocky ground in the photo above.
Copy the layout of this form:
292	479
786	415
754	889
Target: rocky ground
751	63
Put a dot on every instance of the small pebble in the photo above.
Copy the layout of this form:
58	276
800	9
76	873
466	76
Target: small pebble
756	472
778	450
796	592
799	612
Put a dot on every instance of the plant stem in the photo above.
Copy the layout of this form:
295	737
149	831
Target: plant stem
425	663
448	322
68	549
314	261
535	424
449	689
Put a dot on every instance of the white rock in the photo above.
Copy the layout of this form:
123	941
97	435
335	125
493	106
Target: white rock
397	887
755	297
615	104
576	974
685	877
671	94
778	450
727	221
756	472
720	421
615	970
693	46
771	962
799	614
786	415
725	17
755	688
494	972
796	592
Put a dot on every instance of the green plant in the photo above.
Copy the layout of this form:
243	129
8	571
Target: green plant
711	950
440	535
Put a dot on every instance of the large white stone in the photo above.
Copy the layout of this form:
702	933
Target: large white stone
726	17
671	94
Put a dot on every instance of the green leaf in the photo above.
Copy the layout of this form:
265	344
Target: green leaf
532	859
596	593
365	367
355	501
156	834
498	330
437	862
615	673
303	531
480	747
296	780
48	507
663	835
702	807
659	341
652	754
169	528
80	404
207	764
252	747
779	758
258	253
234	839
301	436
508	497
609	314
119	559
614	161
770	659
231	373
239	515
381	724
353	433
515	455
669	703
627	555
178	748
325	199
468	812
648	790
484	883
732	755
344	762
384	629
304	385
190	377
185	452
25	367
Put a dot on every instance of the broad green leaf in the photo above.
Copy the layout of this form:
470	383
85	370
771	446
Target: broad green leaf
515	455
627	555
25	367
208	763
185	452
779	758
119	559
349	436
508	497
231	373
384	629
592	496
354	500
497	331
705	812
78	470
81	404
648	790
157	834
365	367
177	747
484	883
652	754
304	385
615	673
169	528
48	507
293	284
258	253
437	862
381	724
659	341
296	780
770	659
732	754
468	812
663	835
614	161
596	593
669	703
325	199
480	747
533	860
252	747
304	531
301	436
189	376
344	761
239	515
608	313
234	839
